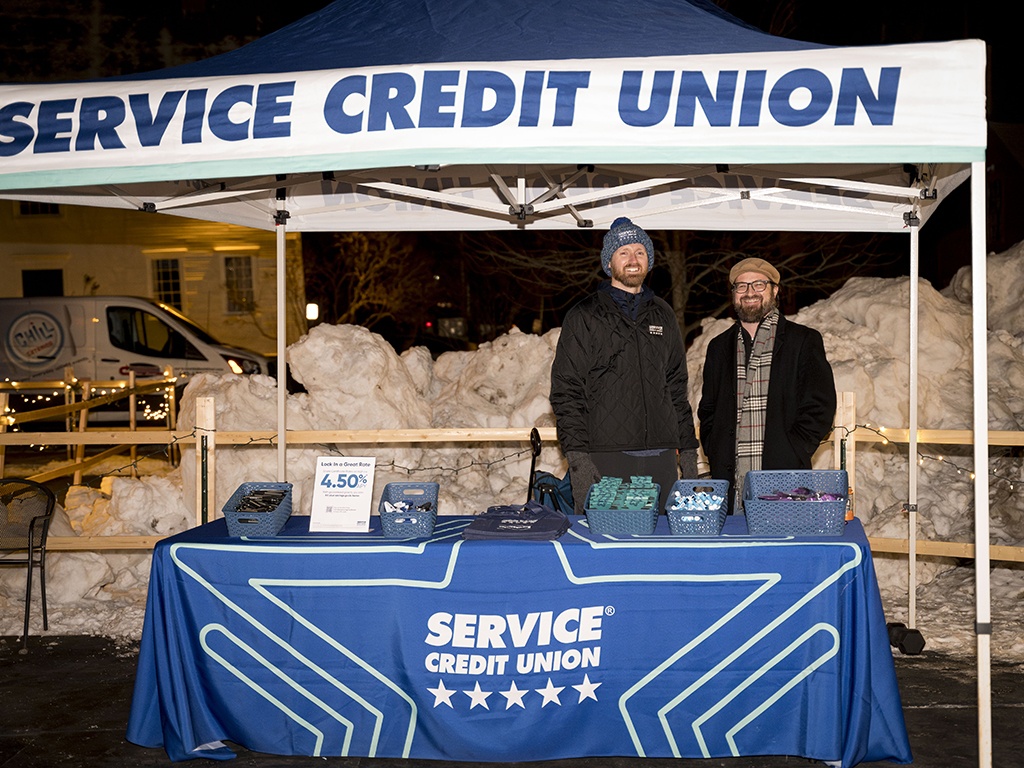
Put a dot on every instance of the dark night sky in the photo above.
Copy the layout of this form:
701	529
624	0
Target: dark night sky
45	40
53	39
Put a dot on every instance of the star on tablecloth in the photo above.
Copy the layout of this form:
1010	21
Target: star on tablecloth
514	695
442	694
550	693
587	689
478	697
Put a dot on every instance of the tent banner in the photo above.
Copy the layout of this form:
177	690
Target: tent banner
818	105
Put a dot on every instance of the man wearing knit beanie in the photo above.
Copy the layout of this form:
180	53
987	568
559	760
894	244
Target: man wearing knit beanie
619	381
768	397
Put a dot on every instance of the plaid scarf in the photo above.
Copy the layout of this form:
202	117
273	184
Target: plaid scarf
752	398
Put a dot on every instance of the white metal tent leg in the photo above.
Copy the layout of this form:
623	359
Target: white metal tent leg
912	449
979	292
282	363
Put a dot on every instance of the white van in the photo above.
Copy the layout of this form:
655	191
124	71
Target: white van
103	338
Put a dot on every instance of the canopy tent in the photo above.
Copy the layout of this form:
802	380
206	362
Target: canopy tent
433	114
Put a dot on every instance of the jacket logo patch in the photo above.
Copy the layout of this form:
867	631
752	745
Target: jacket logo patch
656	330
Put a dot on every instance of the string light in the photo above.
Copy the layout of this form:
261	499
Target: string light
922	457
165	452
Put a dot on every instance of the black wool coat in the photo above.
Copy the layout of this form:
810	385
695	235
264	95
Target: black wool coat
801	400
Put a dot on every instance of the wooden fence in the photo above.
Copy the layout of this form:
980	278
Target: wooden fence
80	397
206	438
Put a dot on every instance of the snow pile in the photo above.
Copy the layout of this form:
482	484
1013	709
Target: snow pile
355	381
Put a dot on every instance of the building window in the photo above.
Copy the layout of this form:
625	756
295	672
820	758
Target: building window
167	281
238	281
42	282
30	208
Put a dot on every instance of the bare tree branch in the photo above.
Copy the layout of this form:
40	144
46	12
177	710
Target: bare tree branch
371	279
529	279
811	264
545	264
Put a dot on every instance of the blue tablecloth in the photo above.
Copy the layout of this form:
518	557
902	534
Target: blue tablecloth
654	646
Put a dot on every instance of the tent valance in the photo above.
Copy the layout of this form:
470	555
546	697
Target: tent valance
869	198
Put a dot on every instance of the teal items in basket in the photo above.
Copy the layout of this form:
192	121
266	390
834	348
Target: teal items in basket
258	509
697	507
619	508
780	513
408	510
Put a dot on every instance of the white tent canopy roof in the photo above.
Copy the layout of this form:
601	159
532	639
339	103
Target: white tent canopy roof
421	116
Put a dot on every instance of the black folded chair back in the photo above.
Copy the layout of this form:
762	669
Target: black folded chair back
26	508
535	447
545	488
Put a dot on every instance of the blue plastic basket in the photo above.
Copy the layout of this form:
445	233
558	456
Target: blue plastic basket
697	522
411	523
795	518
248	522
623	522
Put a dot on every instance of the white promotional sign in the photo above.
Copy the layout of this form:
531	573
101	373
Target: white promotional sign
342	494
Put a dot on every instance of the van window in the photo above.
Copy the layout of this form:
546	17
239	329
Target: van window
184	322
143	333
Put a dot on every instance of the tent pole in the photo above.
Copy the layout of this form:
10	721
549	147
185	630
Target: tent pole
979	293
282	363
912	449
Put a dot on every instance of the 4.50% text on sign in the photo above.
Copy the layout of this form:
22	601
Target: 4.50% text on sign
344	480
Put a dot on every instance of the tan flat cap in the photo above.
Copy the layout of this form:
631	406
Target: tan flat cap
753	264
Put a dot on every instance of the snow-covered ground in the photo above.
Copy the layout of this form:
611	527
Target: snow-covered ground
354	380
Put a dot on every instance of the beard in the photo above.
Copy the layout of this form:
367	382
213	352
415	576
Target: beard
629	279
751	312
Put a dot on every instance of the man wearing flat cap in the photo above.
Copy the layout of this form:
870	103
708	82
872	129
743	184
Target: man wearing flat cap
769	397
619	381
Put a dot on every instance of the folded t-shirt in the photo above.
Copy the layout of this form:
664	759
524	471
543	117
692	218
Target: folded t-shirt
530	521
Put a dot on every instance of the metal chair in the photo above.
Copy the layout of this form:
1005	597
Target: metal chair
26	508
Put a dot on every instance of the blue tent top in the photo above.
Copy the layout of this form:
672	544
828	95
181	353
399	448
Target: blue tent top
366	33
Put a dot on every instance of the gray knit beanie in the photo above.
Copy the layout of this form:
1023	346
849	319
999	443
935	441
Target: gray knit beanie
624	232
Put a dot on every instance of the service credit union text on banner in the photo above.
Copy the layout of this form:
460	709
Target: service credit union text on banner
342	493
604	110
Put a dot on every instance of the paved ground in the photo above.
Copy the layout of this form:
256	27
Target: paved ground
65	703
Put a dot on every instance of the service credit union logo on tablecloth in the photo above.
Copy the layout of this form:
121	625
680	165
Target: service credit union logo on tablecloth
342	492
543	651
35	339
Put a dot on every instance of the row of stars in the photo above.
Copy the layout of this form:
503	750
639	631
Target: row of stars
514	695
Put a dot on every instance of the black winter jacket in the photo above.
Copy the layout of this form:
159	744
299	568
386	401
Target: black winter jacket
619	384
801	400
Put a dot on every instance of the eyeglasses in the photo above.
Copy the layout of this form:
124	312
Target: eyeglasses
758	286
